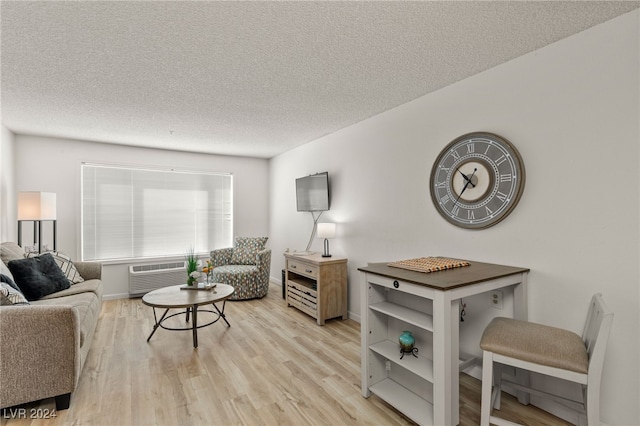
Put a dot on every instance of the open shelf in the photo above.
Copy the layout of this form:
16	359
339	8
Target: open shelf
421	366
408	315
403	400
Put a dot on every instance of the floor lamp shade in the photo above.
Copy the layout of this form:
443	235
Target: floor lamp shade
35	205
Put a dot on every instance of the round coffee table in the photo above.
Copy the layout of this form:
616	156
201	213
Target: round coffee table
175	298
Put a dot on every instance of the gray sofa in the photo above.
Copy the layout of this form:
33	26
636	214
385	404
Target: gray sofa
44	344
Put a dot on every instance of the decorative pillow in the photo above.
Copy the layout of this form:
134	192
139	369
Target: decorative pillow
65	264
246	248
11	296
38	276
9	280
11	251
4	270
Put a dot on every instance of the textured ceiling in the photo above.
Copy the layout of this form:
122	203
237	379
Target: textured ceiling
252	78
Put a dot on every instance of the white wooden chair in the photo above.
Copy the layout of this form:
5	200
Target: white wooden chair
547	350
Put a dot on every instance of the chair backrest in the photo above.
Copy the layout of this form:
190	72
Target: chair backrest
596	334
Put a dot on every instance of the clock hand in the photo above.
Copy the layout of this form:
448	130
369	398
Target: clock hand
466	178
464	188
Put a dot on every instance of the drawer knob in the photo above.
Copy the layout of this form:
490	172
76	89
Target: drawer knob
396	284
293	266
308	271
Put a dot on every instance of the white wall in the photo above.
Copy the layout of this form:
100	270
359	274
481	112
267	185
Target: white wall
572	110
8	228
53	165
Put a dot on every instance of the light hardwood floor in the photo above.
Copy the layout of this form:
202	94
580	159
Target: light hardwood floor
273	366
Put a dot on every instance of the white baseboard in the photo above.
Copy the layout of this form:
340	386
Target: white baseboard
116	296
275	281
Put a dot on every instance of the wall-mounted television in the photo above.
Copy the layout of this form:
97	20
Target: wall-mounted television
312	193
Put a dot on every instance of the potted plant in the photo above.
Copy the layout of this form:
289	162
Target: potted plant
191	261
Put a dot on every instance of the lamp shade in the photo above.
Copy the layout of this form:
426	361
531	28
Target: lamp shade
326	230
33	205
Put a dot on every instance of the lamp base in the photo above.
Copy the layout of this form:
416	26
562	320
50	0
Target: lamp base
326	248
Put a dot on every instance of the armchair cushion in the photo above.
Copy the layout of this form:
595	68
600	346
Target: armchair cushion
246	248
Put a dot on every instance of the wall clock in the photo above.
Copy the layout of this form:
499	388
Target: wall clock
477	180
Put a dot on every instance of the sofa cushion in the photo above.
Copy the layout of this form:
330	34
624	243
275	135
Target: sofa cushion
10	296
86	304
246	248
65	264
94	286
38	276
10	251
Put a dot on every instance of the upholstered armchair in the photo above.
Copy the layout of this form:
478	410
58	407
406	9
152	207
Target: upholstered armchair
245	267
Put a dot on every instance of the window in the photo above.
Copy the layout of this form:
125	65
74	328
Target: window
130	213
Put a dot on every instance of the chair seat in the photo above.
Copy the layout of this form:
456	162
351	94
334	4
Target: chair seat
243	278
537	343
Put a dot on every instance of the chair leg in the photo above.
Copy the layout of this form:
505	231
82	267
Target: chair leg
497	385
592	402
487	382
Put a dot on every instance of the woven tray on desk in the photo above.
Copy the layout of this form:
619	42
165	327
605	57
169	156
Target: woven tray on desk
429	264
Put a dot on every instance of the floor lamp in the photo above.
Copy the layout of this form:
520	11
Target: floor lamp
37	207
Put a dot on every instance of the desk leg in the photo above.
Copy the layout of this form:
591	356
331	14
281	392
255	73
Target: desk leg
454	317
445	371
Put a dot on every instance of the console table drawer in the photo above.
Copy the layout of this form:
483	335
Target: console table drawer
403	286
303	268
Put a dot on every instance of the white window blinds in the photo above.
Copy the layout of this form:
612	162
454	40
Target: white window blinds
130	213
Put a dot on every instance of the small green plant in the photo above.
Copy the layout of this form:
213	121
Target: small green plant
192	265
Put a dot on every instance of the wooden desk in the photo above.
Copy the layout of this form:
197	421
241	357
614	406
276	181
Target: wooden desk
425	388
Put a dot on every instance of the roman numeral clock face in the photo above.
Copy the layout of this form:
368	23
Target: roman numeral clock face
477	180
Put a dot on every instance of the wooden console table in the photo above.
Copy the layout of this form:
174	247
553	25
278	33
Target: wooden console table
424	388
317	285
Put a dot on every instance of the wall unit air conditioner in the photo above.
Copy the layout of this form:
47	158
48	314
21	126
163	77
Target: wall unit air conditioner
145	278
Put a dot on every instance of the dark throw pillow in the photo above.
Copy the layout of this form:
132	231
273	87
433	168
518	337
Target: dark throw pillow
65	264
38	276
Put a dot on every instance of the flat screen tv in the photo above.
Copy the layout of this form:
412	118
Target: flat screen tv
312	193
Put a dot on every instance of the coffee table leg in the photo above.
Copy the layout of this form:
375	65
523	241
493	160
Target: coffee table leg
221	313
157	324
194	310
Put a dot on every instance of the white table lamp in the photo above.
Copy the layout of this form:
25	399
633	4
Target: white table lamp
326	231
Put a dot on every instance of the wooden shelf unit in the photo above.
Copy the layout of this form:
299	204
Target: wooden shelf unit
317	285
